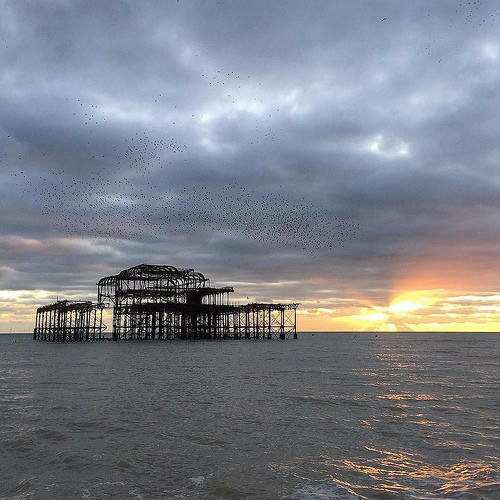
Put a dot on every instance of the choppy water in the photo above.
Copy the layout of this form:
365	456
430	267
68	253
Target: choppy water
326	416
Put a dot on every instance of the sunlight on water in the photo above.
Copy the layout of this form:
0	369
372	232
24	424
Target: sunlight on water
409	397
324	417
406	472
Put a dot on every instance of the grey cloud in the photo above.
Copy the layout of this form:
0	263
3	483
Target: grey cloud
329	142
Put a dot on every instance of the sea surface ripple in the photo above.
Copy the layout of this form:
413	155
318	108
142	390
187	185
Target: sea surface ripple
341	415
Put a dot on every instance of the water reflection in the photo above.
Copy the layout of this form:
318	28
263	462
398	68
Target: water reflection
265	420
408	397
396	471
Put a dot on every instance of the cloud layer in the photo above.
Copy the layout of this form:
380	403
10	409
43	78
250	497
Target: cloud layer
316	152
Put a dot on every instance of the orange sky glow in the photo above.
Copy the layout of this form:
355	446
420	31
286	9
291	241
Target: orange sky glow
425	310
434	294
416	310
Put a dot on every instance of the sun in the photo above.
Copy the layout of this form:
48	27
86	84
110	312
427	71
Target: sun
403	306
398	314
410	301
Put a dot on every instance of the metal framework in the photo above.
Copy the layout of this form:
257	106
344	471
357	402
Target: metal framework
162	302
67	321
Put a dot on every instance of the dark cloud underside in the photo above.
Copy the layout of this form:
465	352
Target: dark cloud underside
255	141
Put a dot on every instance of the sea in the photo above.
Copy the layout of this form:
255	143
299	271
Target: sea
326	416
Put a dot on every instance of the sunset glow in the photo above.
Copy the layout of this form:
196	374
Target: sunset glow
410	312
427	310
304	155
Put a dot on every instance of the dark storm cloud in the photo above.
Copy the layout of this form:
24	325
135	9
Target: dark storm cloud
251	140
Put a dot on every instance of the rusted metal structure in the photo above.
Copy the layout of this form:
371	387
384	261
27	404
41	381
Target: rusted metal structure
163	302
69	321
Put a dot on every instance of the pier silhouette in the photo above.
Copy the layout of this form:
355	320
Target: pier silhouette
152	302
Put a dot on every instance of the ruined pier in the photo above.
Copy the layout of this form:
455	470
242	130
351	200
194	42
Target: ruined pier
163	302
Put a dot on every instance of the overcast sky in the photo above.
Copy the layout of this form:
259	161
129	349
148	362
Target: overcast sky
333	153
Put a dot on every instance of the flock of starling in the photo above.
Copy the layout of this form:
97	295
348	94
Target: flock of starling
465	14
123	188
126	194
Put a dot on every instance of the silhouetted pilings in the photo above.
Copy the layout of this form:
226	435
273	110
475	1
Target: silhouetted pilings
68	321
